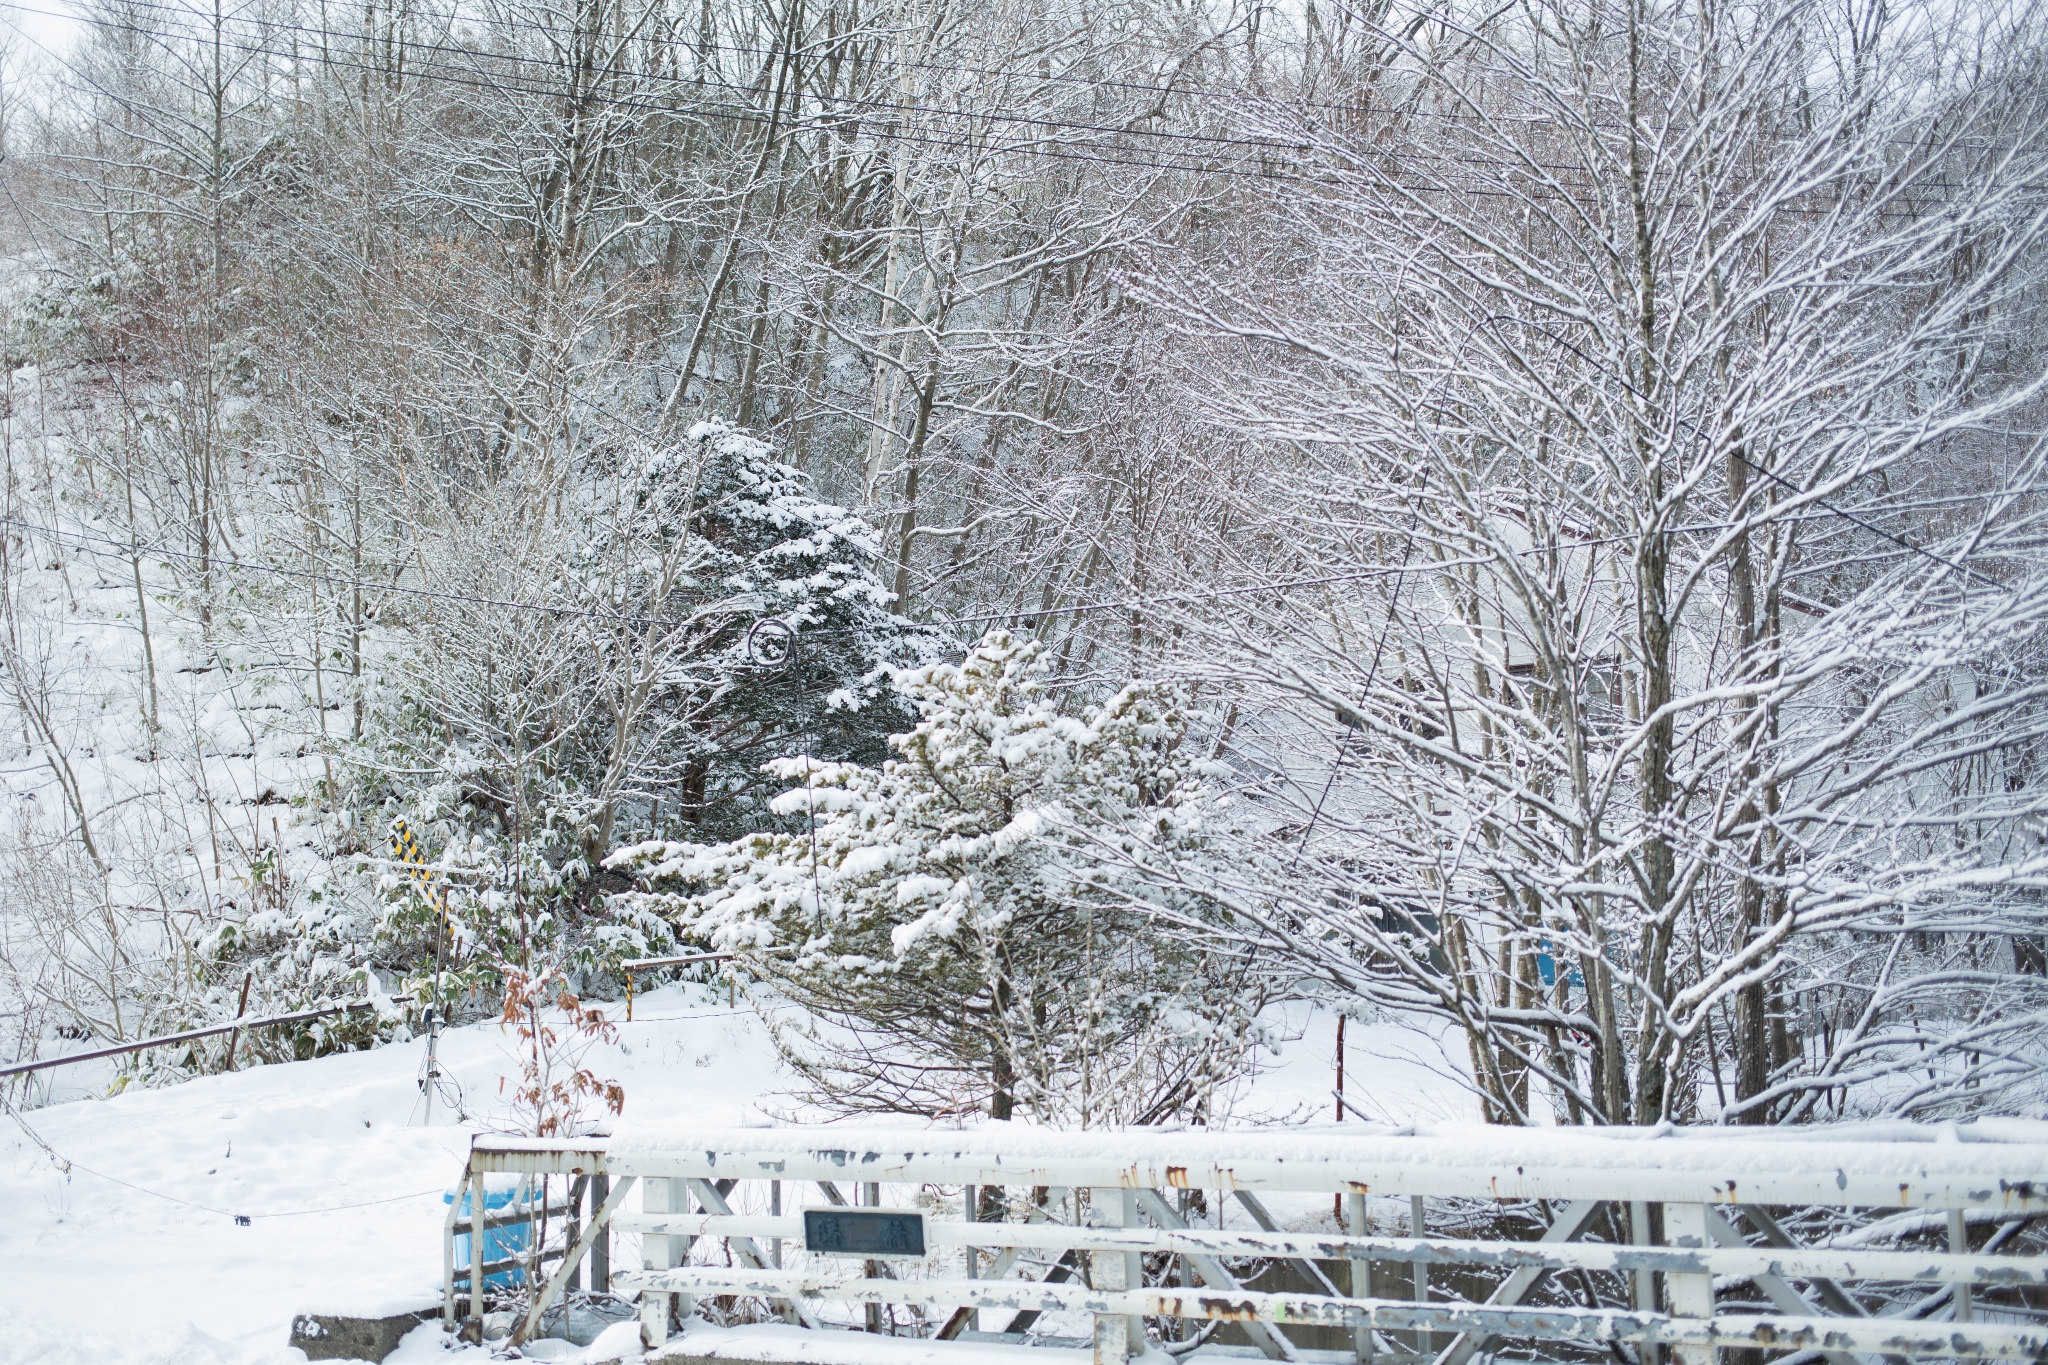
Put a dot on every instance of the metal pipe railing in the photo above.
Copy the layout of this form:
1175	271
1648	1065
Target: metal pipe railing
1744	1262
1590	1174
649	964
212	1030
1583	1326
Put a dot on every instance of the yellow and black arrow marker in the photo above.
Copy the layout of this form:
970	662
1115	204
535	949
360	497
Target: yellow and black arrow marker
405	846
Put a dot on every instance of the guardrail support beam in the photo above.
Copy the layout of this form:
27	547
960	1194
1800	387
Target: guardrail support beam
712	1199
477	1274
1690	1296
1777	1288
1271	1341
1959	1243
1359	1278
572	1257
1109	1272
1570	1225
601	1249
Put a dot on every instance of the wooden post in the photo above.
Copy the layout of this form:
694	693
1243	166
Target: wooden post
1690	1296
1109	1271
775	1210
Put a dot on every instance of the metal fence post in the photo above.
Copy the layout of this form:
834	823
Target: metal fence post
478	1253
1424	1341
1690	1296
1643	1283
1108	1272
572	1232
601	1248
870	1192
655	1254
1134	1270
1360	1281
970	1200
775	1211
1959	1243
679	1201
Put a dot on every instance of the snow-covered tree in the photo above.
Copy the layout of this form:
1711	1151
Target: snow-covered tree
955	924
1671	724
638	691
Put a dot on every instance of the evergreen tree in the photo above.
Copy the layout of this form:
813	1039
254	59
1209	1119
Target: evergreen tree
698	608
959	914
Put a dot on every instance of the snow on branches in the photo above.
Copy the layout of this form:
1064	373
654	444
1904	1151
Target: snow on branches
953	913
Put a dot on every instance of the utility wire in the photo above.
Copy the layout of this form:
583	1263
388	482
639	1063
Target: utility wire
1022	615
837	43
748	114
127	549
1050	149
66	1165
1772	475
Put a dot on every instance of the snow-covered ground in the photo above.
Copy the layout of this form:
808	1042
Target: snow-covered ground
136	1258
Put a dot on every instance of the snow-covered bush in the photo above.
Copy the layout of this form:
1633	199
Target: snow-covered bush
956	925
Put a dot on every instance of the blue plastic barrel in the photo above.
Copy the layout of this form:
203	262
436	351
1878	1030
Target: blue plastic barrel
514	1239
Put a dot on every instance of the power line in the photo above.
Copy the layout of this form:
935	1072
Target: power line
989	617
741	113
842	41
517	59
1797	491
66	1165
130	549
95	544
748	114
1050	150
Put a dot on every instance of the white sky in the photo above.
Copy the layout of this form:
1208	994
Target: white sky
41	30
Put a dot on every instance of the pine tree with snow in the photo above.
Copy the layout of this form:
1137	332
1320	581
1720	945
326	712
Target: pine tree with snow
698	609
958	914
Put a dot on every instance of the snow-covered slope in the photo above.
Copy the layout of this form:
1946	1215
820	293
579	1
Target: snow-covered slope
135	1257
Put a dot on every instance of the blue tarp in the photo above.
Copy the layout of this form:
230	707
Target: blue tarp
515	1239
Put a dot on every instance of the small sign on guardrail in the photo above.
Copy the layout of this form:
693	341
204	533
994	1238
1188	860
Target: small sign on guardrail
863	1232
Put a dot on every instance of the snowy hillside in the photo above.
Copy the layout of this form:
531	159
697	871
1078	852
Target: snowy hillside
343	1188
1070	548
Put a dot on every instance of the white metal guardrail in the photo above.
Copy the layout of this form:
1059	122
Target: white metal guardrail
1683	1228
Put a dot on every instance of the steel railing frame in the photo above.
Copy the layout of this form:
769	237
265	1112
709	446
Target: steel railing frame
1695	1181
